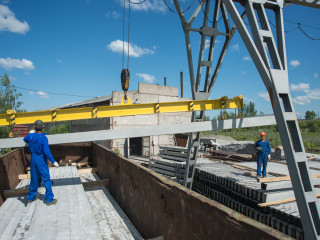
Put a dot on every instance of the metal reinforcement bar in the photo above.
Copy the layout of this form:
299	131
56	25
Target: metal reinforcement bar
12	117
91	136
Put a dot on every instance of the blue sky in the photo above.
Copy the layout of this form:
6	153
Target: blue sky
75	47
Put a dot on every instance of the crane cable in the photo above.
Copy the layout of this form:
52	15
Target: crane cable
125	73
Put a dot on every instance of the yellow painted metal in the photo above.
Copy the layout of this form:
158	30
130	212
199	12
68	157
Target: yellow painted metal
125	102
120	110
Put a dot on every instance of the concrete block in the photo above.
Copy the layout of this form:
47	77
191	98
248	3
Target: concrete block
158	89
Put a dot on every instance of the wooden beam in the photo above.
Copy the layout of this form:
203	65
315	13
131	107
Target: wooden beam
279	179
87	170
99	183
15	192
280	201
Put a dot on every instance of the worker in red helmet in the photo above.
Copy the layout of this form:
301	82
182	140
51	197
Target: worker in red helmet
263	154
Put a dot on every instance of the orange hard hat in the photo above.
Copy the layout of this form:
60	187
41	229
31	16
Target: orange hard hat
262	134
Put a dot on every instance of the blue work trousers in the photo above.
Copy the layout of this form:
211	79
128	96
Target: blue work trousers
262	159
39	171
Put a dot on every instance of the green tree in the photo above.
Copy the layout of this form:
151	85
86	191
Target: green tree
248	110
310	115
8	96
9	100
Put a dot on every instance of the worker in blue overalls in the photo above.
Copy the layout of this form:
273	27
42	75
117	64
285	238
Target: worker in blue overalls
263	154
39	148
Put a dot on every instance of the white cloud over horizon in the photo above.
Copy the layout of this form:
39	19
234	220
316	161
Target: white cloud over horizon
301	100
315	75
43	94
264	95
301	87
295	63
150	5
134	50
147	77
311	94
8	21
9	63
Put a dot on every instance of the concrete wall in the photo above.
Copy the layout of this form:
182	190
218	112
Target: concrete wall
149	93
158	206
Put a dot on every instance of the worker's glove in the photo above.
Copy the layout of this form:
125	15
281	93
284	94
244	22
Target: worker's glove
269	156
56	164
258	148
32	131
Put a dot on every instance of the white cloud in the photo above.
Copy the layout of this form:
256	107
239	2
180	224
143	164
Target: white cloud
207	44
264	95
31	93
113	14
301	87
314	94
10	63
294	63
146	77
8	21
243	73
150	5
59	61
248	99
315	75
134	50
43	94
301	100
246	58
299	115
235	48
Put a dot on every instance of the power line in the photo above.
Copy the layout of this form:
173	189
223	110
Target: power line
165	2
137	2
53	93
298	27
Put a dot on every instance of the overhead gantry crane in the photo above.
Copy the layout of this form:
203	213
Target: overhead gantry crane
273	72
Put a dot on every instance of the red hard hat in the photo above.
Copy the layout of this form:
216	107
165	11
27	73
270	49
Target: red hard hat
262	134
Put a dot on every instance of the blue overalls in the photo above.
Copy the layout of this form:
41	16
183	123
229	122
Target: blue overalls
39	147
262	156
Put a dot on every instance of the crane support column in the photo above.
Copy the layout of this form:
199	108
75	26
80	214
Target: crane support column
271	62
207	33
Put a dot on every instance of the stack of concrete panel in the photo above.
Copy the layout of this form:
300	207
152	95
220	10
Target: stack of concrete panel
170	163
228	185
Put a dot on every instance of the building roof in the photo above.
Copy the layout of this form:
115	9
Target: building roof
82	103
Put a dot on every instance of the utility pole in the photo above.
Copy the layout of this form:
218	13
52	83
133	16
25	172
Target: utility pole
181	83
165	81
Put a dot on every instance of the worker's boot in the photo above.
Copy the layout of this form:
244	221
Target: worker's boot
258	176
31	201
52	202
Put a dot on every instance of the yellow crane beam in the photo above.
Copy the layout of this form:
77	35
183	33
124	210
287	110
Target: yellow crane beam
12	117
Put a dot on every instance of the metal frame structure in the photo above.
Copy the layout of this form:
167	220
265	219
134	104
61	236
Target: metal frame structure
269	57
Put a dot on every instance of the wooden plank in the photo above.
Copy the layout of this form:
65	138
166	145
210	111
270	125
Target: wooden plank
99	183
280	201
87	170
279	179
253	169
24	176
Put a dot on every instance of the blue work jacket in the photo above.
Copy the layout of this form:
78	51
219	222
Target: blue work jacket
265	149
41	145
